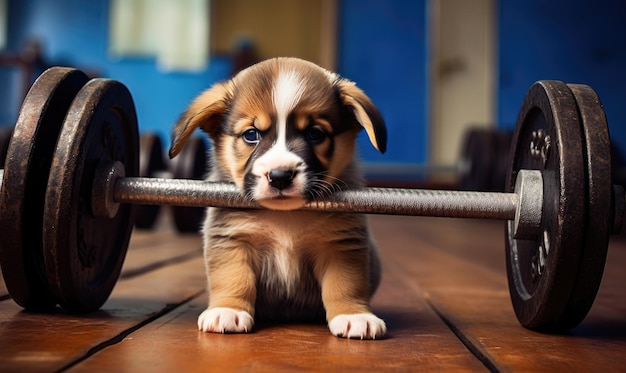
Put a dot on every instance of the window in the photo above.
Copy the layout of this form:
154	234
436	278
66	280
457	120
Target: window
175	32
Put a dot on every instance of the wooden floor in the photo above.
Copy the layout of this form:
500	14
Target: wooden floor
444	297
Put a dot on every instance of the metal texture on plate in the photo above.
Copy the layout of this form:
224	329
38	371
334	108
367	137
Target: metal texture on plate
23	189
83	253
542	271
598	219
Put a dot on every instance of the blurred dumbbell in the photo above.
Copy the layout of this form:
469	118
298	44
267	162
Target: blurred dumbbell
151	164
484	159
192	163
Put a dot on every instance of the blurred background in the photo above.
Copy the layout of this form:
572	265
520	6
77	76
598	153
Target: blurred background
435	68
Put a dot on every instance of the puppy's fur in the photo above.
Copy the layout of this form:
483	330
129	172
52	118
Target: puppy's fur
284	132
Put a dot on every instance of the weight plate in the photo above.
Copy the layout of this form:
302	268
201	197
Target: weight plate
151	162
542	272
476	159
599	196
191	163
84	254
23	189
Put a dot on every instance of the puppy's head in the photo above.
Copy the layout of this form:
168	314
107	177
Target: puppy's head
283	130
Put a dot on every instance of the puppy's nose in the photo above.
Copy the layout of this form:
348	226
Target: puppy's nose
280	179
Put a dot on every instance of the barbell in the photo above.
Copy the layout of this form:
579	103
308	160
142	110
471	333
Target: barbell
70	182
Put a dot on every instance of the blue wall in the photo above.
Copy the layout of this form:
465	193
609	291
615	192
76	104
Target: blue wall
580	41
381	47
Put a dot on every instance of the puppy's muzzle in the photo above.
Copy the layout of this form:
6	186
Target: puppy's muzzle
281	179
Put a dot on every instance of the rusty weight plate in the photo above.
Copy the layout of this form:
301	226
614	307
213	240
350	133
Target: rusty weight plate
151	163
84	254
597	158
542	272
23	188
191	163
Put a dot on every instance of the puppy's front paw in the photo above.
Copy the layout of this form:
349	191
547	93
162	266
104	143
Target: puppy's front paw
225	320
360	325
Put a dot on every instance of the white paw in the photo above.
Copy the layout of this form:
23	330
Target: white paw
360	325
225	320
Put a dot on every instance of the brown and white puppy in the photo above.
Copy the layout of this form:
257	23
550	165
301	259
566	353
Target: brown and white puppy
284	132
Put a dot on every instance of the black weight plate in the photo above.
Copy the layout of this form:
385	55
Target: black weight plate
23	189
191	163
476	159
151	162
599	196
542	272
84	254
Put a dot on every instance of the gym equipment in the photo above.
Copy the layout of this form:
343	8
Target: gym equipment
484	159
560	205
191	163
24	184
151	164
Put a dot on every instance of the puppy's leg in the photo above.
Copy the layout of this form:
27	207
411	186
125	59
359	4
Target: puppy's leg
232	292
346	290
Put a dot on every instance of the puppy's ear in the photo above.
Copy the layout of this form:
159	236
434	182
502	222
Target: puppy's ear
205	112
365	113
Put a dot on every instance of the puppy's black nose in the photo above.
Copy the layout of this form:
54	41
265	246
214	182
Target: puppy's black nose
280	179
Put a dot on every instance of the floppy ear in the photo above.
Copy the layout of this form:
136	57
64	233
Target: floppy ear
205	112
365	113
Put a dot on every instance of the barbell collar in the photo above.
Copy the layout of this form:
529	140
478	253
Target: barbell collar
529	189
103	189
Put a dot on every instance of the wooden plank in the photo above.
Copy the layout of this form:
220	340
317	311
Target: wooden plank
473	298
48	342
149	250
417	340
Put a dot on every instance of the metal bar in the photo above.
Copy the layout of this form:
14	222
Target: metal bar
390	201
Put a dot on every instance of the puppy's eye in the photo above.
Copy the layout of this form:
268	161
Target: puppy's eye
315	135
251	136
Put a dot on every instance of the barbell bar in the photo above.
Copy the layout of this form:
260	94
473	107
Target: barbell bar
70	181
111	188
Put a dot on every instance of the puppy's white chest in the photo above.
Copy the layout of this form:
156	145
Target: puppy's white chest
281	257
281	269
279	243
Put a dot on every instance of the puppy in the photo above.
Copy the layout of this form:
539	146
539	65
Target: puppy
284	132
